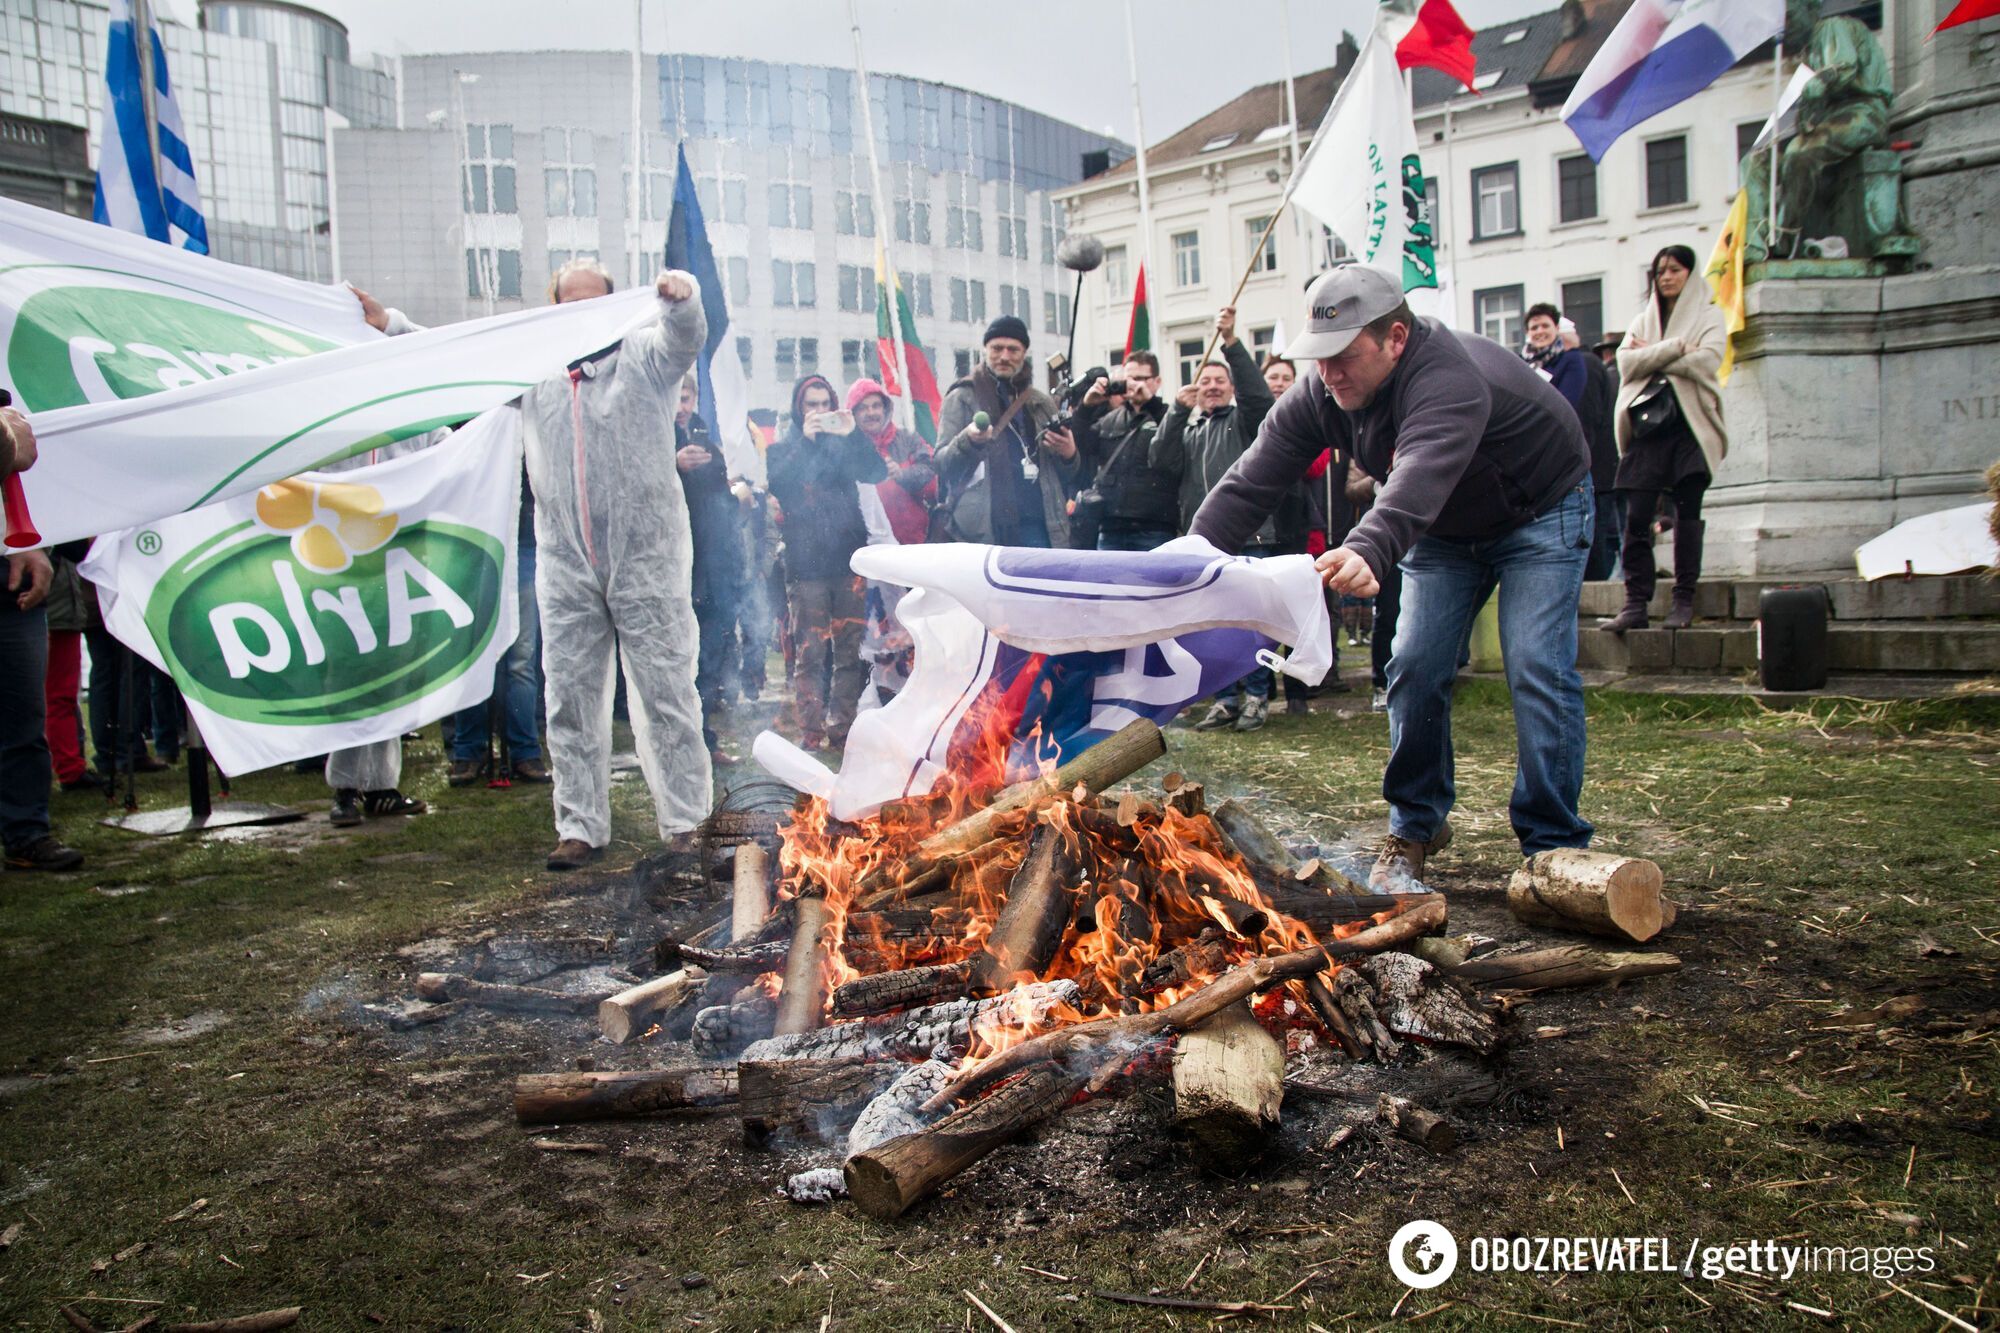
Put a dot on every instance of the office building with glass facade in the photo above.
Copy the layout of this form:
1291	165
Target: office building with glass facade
539	146
260	86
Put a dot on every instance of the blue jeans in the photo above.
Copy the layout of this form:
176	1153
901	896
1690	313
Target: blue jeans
1540	571
1133	539
25	770
517	681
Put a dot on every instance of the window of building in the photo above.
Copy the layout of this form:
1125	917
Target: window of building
557	258
1260	342
857	289
1264	259
735	199
1746	137
569	178
913	221
1497	312
1187	258
1331	248
963	362
1666	171
808	356
1496	193
1115	275
792	284
978	301
489	170
917	290
1012	220
1576	188
744	354
739	281
1583	306
1017	301
858	357
1432	214
963	227
501	267
853	213
791	205
1055	226
961	302
796	357
1187	351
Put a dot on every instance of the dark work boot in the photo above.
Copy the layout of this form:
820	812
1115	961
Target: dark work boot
1687	572
1639	577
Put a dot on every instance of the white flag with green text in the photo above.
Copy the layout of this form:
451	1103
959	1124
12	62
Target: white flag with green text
329	610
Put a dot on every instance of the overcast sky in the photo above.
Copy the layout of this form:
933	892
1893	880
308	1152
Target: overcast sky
1064	59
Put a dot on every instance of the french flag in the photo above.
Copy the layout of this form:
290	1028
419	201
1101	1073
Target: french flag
1662	53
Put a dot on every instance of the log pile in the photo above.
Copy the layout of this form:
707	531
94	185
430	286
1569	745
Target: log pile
921	987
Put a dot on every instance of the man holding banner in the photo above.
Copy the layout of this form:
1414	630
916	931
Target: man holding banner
614	567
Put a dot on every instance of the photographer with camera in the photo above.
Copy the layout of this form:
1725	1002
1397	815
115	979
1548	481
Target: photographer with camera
1233	400
1007	478
1132	502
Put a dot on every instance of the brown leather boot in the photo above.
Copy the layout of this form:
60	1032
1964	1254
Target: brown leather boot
1399	866
573	854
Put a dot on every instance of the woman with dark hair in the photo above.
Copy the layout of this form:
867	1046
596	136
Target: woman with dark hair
1669	428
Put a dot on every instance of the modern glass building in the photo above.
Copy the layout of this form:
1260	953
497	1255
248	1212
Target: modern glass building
540	145
260	85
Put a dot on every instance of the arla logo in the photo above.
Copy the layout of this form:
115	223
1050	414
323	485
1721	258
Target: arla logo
325	609
86	342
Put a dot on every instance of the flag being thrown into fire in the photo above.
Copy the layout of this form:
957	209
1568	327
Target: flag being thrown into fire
1025	658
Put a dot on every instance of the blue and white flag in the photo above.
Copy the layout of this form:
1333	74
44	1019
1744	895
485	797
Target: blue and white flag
1660	54
131	196
725	393
1026	657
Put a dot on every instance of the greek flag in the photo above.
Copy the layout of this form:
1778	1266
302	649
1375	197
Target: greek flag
131	195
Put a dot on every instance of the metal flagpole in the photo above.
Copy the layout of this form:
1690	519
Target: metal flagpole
907	401
142	32
1139	127
636	195
1777	100
1292	113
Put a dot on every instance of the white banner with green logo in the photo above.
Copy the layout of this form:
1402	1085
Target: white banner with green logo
160	380
329	610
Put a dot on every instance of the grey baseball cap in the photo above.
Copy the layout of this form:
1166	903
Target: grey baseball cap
1341	302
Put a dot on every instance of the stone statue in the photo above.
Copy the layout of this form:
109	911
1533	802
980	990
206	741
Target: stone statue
1836	176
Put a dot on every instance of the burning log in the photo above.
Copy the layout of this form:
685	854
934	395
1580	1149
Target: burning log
547	1099
1323	911
1229	1080
1188	798
887	1179
1113	759
1326	1005
1205	955
1594	892
1246	835
887	991
1038	908
667	949
910	921
1084	1039
1426	1129
739	826
1245	921
622	1016
1571	965
1413	999
736	959
1356	999
813	1099
804	996
728	1027
436	986
915	1033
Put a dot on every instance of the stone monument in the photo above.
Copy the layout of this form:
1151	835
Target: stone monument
1867	388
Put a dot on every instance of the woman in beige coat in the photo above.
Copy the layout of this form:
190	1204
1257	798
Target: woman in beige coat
1669	429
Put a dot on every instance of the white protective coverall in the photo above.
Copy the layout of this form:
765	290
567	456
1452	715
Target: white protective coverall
614	571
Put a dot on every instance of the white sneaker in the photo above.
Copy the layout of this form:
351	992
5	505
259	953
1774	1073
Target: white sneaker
1220	715
1255	711
1378	702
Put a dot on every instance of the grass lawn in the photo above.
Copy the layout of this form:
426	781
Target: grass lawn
181	1026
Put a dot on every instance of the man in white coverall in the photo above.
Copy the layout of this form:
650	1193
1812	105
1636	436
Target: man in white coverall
616	561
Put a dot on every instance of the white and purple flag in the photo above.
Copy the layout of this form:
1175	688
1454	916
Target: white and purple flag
1662	53
1026	657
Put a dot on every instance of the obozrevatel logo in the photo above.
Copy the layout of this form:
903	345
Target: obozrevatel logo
1422	1254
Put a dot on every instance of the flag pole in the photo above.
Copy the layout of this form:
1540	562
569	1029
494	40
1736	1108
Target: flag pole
1292	114
1145	186
142	34
1256	251
906	401
1777	100
635	197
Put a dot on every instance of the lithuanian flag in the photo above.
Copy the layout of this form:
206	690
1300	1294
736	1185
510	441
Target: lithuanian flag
1139	333
924	397
1725	277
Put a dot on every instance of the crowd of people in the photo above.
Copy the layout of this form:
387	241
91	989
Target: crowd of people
1421	467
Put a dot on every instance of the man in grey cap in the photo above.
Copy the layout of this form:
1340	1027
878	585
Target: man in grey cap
1484	478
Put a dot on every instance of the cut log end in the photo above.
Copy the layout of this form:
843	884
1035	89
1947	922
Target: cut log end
1617	897
1229	1081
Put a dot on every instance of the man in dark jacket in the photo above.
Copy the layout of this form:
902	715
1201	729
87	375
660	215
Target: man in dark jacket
715	519
1484	476
1141	497
1233	399
1005	483
813	474
1596	411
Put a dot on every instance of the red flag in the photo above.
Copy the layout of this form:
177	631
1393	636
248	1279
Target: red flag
1968	11
1139	333
1442	42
